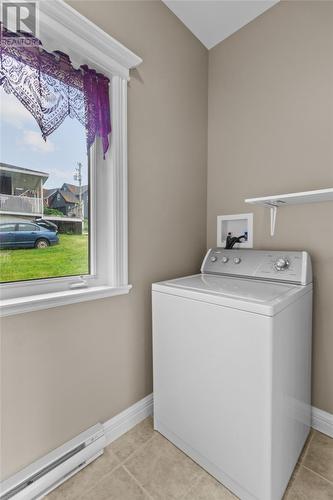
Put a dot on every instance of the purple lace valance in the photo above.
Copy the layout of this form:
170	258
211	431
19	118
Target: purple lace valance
51	88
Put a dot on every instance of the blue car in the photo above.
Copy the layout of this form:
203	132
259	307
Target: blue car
26	235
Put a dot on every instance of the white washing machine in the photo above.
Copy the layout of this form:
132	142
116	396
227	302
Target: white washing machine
232	366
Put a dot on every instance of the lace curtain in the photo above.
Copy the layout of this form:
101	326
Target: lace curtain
51	88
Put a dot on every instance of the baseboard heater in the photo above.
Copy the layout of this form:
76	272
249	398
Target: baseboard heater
50	471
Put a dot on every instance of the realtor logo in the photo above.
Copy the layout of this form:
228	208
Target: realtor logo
20	16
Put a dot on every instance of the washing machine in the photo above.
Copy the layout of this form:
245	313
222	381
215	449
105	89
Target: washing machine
232	366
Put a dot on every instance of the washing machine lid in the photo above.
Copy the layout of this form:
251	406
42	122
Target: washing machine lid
258	296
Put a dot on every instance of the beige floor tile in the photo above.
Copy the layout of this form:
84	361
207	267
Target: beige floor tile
165	473
306	485
74	487
319	456
118	485
129	442
163	470
209	488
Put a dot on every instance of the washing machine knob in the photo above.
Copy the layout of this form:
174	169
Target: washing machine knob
213	258
281	264
225	259
237	260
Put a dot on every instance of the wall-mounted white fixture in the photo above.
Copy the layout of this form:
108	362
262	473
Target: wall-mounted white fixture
275	201
237	225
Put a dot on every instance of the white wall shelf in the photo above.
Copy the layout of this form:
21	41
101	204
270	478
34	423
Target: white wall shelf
294	198
282	200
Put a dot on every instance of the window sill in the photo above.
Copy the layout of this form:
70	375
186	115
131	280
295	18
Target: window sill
21	305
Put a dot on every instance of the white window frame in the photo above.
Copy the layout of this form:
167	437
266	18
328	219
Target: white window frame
62	28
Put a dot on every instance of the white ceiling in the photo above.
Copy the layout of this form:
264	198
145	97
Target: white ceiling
214	20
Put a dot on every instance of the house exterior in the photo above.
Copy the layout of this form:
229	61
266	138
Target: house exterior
84	196
46	195
22	197
66	202
21	192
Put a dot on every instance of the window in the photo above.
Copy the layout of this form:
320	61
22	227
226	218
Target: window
47	182
7	228
100	204
28	227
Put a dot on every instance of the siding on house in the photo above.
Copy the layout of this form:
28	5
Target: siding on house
68	200
65	201
84	192
21	190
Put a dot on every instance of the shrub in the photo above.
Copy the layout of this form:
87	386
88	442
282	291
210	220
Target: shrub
52	211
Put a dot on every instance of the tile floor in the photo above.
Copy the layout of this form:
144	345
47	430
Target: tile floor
143	465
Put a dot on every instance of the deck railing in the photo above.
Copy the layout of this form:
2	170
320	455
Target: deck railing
21	204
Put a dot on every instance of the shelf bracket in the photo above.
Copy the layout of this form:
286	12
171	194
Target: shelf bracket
275	201
273	210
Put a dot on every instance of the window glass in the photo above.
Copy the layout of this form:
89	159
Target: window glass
7	227
28	227
47	183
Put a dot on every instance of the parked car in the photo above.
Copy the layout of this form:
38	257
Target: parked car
26	235
46	224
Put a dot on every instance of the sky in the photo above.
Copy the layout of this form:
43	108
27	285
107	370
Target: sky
21	144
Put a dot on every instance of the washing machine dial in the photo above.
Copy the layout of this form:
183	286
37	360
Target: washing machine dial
213	258
281	264
225	259
237	260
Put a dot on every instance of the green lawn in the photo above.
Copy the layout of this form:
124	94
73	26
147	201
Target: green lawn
69	257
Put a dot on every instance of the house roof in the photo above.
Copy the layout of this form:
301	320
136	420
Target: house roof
22	170
47	192
68	196
74	189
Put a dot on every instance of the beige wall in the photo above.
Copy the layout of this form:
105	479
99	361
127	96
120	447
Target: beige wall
67	368
271	132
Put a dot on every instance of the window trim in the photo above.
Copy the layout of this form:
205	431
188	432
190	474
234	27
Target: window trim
63	28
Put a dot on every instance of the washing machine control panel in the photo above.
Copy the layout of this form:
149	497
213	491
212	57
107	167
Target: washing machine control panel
275	265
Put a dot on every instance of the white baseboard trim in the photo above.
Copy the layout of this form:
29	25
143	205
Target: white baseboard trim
129	418
124	421
322	421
